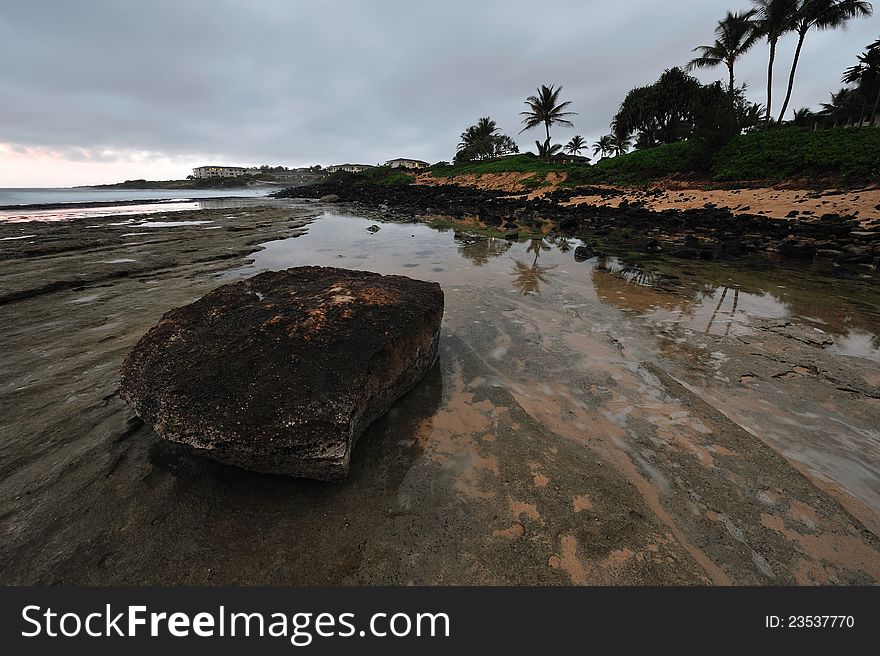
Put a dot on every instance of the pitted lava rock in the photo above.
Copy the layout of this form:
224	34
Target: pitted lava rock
281	373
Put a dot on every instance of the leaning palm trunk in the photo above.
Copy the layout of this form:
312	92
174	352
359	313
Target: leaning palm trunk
794	63
770	80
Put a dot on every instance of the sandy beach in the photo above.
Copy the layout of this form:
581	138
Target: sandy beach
781	201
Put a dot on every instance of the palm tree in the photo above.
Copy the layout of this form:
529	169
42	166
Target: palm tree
576	145
477	139
619	144
483	141
604	145
843	108
823	15
546	150
734	36
773	18
866	74
545	108
803	118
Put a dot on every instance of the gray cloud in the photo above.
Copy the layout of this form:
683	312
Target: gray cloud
296	83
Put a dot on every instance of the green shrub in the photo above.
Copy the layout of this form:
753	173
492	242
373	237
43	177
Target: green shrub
379	175
848	154
642	165
525	163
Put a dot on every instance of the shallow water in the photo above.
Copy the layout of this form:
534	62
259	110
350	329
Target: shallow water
587	421
47	195
27	214
682	314
715	299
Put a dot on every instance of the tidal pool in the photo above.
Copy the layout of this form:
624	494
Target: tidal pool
697	317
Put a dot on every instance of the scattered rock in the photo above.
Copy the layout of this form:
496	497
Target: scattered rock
374	228
329	198
583	253
686	253
281	373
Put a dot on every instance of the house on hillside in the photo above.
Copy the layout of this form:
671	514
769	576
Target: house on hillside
405	163
351	168
565	158
219	171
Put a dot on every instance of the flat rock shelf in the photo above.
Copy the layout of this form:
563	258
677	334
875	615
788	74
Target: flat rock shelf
282	372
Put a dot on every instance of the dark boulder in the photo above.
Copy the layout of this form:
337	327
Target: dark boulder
796	250
686	253
583	253
281	373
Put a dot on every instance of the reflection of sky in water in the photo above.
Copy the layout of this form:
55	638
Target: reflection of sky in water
70	213
542	267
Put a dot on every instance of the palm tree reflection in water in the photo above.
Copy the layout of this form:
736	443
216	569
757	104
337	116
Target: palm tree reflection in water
479	249
530	278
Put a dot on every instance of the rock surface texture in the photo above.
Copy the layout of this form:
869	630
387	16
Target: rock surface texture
281	373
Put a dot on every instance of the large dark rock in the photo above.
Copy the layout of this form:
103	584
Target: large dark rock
281	373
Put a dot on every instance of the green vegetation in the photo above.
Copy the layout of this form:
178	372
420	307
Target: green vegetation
190	183
821	15
734	36
379	175
842	155
671	160
546	109
484	141
525	163
576	145
845	156
850	155
683	128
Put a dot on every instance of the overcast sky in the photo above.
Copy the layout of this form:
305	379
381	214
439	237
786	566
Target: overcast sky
101	91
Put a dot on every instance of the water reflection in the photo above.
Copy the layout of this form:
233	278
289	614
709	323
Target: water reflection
479	249
74	212
674	296
529	278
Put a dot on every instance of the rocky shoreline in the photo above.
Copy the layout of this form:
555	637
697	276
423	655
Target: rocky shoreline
578	428
837	244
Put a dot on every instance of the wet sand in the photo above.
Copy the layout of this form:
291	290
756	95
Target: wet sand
587	422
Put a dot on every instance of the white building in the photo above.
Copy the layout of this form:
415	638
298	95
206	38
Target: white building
351	168
404	163
219	171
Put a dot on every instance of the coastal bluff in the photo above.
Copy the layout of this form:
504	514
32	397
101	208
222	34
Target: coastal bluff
282	372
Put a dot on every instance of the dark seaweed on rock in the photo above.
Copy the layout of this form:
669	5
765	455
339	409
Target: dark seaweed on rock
281	373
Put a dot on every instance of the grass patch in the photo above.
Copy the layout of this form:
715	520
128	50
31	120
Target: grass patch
534	182
379	175
848	154
641	166
512	164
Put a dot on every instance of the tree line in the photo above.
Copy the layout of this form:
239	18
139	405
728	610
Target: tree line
678	106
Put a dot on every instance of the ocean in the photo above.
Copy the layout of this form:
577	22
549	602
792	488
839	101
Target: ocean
51	195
